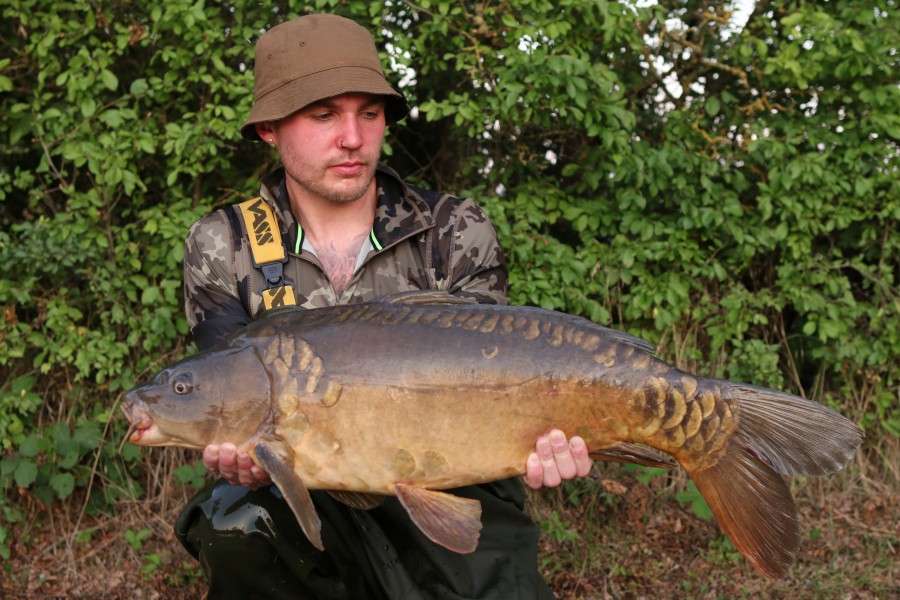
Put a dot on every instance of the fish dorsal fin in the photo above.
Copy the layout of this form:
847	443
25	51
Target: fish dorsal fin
450	521
357	499
425	297
293	489
633	453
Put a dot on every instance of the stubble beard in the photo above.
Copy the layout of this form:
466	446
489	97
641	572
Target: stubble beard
318	185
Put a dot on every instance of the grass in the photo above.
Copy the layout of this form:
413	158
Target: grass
618	534
648	545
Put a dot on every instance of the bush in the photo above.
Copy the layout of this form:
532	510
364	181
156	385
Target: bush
734	202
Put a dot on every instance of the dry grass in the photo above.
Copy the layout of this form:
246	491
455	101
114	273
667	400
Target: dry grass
635	542
609	537
64	553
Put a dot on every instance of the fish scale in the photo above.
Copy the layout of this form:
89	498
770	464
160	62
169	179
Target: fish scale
423	392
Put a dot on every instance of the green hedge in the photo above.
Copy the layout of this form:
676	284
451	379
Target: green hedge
736	201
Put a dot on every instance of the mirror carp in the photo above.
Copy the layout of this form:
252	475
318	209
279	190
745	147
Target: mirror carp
421	392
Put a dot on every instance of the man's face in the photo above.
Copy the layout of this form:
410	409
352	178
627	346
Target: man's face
331	148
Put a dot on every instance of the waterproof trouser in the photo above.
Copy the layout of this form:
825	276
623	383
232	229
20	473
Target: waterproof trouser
250	545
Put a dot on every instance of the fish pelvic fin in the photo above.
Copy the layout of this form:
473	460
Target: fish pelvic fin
293	489
633	453
447	520
777	434
359	500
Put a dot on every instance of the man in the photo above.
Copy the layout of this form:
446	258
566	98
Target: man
354	232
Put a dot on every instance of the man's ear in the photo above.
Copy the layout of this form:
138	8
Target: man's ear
266	131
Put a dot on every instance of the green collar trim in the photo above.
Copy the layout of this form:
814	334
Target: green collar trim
298	245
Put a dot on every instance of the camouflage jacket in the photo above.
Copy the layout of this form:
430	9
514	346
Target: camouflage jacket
419	240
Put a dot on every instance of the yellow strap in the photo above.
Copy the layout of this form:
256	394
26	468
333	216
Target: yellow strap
265	238
282	295
268	252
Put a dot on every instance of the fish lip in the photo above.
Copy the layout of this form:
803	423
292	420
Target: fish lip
140	425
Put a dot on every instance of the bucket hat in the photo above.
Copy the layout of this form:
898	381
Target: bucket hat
312	58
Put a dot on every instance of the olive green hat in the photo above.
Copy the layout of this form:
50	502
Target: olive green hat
312	58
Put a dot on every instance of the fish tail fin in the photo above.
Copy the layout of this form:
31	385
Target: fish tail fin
778	434
754	506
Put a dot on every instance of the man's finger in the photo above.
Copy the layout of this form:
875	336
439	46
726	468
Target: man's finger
244	470
562	455
544	451
534	472
583	461
228	462
260	476
227	453
211	458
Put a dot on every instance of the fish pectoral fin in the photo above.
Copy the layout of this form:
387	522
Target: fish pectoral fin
294	491
357	499
634	453
425	297
450	521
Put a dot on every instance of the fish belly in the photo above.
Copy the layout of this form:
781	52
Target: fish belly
372	438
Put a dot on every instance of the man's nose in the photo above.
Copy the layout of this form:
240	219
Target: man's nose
351	134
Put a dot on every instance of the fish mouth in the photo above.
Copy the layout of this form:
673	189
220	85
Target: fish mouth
141	430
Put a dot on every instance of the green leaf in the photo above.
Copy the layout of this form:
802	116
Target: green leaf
22	385
570	169
136	539
228	113
88	437
26	473
88	107
138	86
109	79
29	447
63	484
150	296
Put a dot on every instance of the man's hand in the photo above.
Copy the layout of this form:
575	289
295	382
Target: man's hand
555	459
236	467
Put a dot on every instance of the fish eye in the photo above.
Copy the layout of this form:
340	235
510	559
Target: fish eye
183	384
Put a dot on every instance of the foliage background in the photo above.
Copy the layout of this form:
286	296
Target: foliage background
729	193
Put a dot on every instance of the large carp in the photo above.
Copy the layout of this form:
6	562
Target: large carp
422	392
